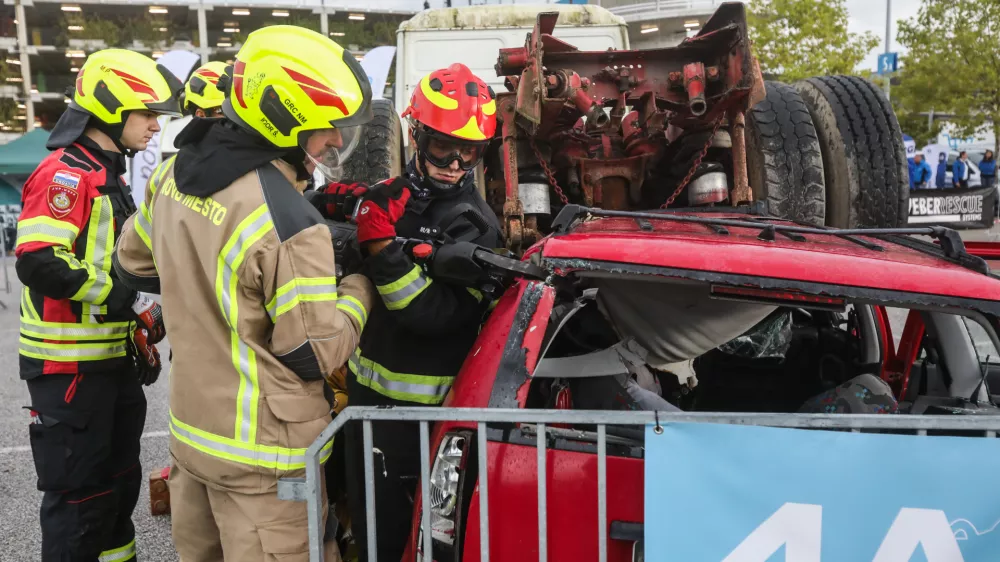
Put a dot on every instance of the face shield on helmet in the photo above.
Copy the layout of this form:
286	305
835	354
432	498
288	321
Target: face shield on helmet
326	150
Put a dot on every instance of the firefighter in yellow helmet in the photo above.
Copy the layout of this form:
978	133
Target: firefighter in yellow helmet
202	96
86	343
245	267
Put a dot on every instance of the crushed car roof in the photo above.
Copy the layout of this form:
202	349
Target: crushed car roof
894	263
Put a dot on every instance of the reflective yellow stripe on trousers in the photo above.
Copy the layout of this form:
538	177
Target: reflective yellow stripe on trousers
249	231
423	389
120	554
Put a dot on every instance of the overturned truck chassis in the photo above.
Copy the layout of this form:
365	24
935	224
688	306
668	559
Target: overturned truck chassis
622	130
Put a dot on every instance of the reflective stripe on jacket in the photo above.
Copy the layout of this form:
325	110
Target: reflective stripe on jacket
65	237
421	328
256	319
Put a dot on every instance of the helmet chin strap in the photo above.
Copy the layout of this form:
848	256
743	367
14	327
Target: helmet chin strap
114	132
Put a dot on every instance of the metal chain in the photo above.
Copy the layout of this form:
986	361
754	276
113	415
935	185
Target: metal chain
694	167
549	173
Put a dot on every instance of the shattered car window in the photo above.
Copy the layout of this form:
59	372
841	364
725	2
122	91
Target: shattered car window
985	350
770	339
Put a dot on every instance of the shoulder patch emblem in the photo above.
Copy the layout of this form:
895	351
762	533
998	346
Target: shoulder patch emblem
67	179
62	200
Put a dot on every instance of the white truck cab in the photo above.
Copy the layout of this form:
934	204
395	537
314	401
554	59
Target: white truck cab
474	35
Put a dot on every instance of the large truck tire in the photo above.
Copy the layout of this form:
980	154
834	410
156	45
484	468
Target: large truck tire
864	158
379	154
784	161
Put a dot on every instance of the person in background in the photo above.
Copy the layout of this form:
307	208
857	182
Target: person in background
942	169
202	96
960	171
920	173
988	169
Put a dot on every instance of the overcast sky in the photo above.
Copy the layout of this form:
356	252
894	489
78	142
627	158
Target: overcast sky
865	15
869	15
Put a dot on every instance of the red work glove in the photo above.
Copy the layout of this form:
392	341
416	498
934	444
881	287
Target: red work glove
383	205
149	316
336	201
145	355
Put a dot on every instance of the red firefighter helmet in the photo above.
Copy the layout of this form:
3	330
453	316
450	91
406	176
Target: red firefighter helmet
455	108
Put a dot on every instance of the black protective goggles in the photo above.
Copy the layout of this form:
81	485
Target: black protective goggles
441	150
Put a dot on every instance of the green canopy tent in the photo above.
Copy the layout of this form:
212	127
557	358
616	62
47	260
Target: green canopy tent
9	195
18	159
22	156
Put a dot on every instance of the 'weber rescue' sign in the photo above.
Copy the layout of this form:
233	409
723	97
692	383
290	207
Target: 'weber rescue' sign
957	208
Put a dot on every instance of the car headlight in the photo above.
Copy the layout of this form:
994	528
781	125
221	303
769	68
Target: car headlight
444	481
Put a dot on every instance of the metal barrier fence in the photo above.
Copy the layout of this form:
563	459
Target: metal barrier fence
310	489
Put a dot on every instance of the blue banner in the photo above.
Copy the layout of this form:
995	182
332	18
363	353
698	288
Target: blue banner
728	493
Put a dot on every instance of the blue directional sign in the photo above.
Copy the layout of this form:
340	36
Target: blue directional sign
888	63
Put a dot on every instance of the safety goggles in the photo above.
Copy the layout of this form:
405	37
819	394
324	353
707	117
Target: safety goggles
441	150
328	149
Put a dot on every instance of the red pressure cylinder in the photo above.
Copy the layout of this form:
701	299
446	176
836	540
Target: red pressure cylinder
694	83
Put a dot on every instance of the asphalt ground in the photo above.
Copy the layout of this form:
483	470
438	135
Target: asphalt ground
20	538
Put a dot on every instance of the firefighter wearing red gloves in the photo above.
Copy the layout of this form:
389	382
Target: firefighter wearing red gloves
421	329
86	340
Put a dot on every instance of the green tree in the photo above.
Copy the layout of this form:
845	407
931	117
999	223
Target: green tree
796	39
952	64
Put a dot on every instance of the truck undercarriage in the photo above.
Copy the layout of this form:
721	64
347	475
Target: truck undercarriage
622	129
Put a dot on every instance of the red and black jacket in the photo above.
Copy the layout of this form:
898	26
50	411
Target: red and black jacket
73	207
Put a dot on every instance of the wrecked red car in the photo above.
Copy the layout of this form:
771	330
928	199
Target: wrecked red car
637	291
710	311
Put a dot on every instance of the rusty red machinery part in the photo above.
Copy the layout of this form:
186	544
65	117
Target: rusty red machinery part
694	166
694	85
600	120
741	184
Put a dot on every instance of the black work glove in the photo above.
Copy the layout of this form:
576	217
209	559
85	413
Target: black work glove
145	356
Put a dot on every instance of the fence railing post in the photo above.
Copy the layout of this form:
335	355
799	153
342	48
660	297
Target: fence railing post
366	429
484	494
602	493
543	511
425	491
